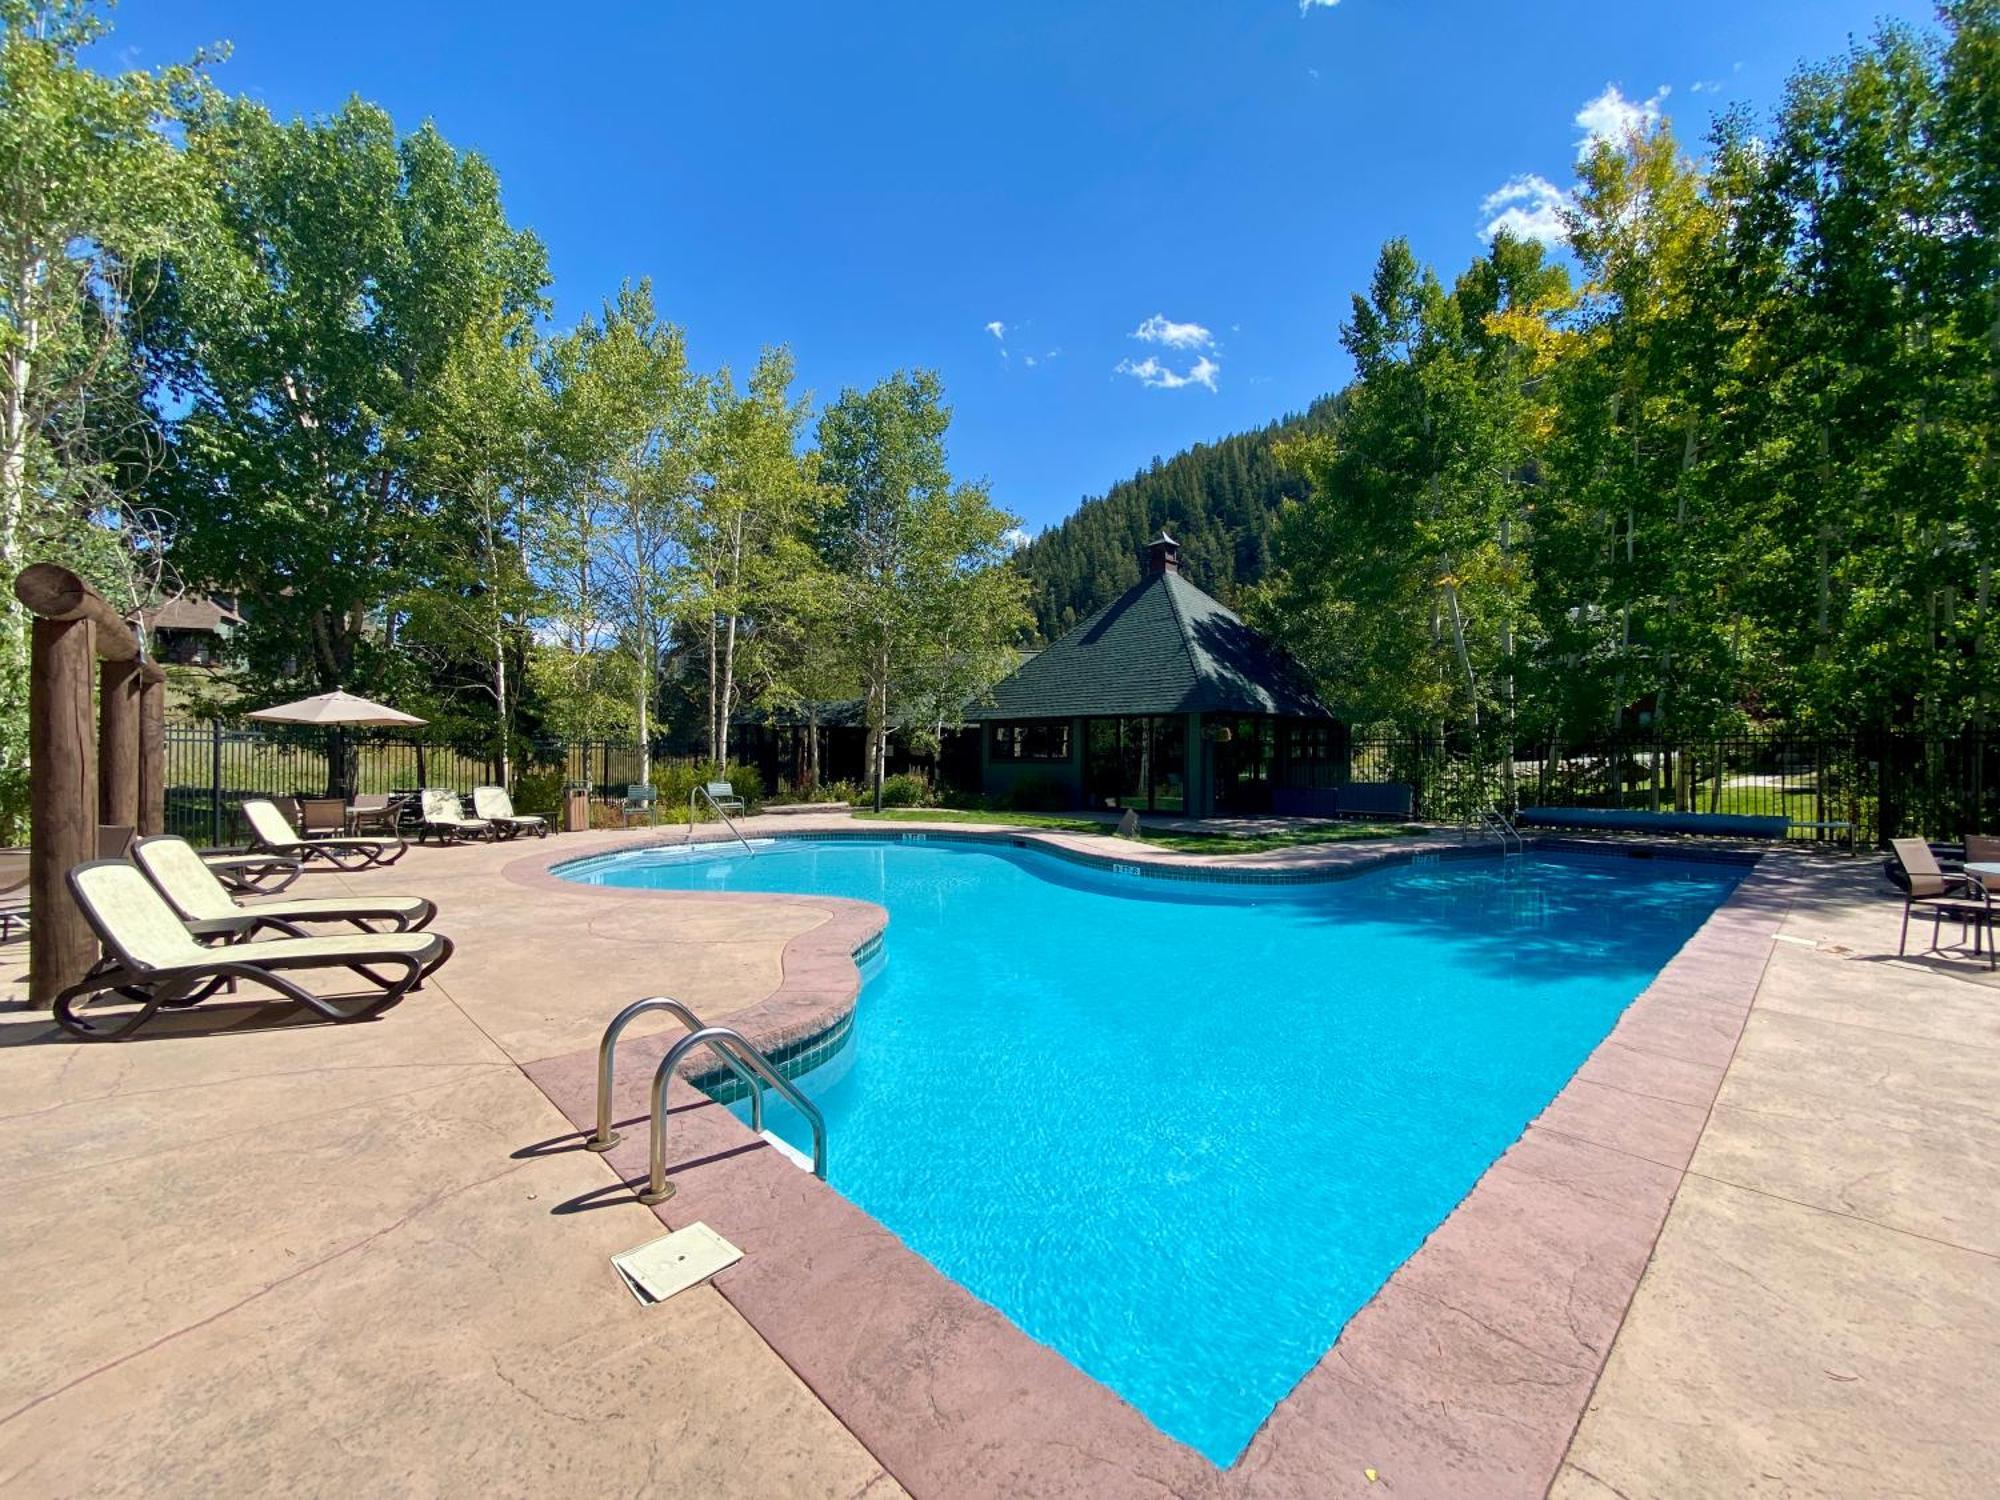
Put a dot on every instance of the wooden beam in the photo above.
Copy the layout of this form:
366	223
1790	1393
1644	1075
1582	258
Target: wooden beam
55	593
62	800
118	743
152	751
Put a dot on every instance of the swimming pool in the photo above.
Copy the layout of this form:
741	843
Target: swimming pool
1179	1131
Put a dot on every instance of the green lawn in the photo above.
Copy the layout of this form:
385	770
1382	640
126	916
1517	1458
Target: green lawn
1179	843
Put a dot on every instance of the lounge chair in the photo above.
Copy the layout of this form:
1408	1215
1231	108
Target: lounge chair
251	874
152	959
444	815
494	805
270	833
194	893
13	893
1959	896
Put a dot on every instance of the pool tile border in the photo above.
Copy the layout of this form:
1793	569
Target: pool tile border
1466	1374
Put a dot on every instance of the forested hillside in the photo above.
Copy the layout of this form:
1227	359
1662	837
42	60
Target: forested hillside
1220	499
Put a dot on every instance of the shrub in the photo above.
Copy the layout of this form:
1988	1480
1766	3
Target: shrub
909	789
539	793
675	781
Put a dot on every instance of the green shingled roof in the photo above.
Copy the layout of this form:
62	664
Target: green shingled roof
1161	647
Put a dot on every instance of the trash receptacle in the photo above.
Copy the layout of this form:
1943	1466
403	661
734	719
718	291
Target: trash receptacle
576	807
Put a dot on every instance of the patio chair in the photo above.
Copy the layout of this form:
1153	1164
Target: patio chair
444	815
640	797
320	817
13	893
372	812
723	795
196	896
151	959
270	833
494	805
1959	896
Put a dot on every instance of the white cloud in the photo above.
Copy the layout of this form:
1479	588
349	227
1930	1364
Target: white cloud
1159	329
1529	207
1611	117
1307	7
1014	539
998	329
1150	373
1028	360
1705	86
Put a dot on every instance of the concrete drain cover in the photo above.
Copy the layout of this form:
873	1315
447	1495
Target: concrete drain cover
674	1262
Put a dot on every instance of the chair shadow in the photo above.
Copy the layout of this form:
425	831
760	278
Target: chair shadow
209	1019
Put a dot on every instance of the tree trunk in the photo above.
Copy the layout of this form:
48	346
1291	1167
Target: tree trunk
727	706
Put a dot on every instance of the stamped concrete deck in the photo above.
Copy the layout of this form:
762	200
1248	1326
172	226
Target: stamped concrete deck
248	1255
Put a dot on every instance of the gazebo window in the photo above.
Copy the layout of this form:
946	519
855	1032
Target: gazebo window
1031	739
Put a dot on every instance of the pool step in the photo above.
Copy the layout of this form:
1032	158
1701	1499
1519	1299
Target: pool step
787	1150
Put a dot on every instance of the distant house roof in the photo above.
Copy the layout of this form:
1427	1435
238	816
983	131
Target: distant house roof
192	613
1161	647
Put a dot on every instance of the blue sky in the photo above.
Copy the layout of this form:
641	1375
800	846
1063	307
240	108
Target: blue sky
886	185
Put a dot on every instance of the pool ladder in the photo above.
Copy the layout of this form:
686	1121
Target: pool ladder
695	798
745	1061
1492	820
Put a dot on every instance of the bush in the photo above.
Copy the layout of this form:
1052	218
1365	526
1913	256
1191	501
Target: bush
675	781
837	791
539	793
909	789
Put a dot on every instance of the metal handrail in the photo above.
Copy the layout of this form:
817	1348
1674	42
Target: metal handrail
606	1137
1495	821
717	1039
702	791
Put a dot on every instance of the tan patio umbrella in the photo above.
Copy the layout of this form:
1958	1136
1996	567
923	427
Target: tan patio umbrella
334	708
334	711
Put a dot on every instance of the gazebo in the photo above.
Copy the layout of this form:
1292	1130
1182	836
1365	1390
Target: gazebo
1162	701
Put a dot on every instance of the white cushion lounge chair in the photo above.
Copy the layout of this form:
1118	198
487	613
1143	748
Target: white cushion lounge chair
151	959
444	815
271	834
196	896
494	805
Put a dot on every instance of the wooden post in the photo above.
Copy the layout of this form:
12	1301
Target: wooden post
62	802
152	751
74	628
118	743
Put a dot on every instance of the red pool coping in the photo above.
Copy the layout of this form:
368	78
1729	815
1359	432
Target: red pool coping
1465	1375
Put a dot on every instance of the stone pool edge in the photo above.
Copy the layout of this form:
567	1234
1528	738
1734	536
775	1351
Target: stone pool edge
1468	1370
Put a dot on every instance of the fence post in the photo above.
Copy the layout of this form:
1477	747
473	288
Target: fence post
215	782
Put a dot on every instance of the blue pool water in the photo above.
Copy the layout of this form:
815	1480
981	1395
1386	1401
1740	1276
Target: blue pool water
1181	1132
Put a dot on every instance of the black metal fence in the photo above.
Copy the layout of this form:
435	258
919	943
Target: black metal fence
1871	786
212	769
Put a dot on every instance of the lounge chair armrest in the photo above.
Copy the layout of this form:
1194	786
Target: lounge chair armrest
214	927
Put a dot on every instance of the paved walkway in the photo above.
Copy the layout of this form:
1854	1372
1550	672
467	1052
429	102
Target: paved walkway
246	1256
